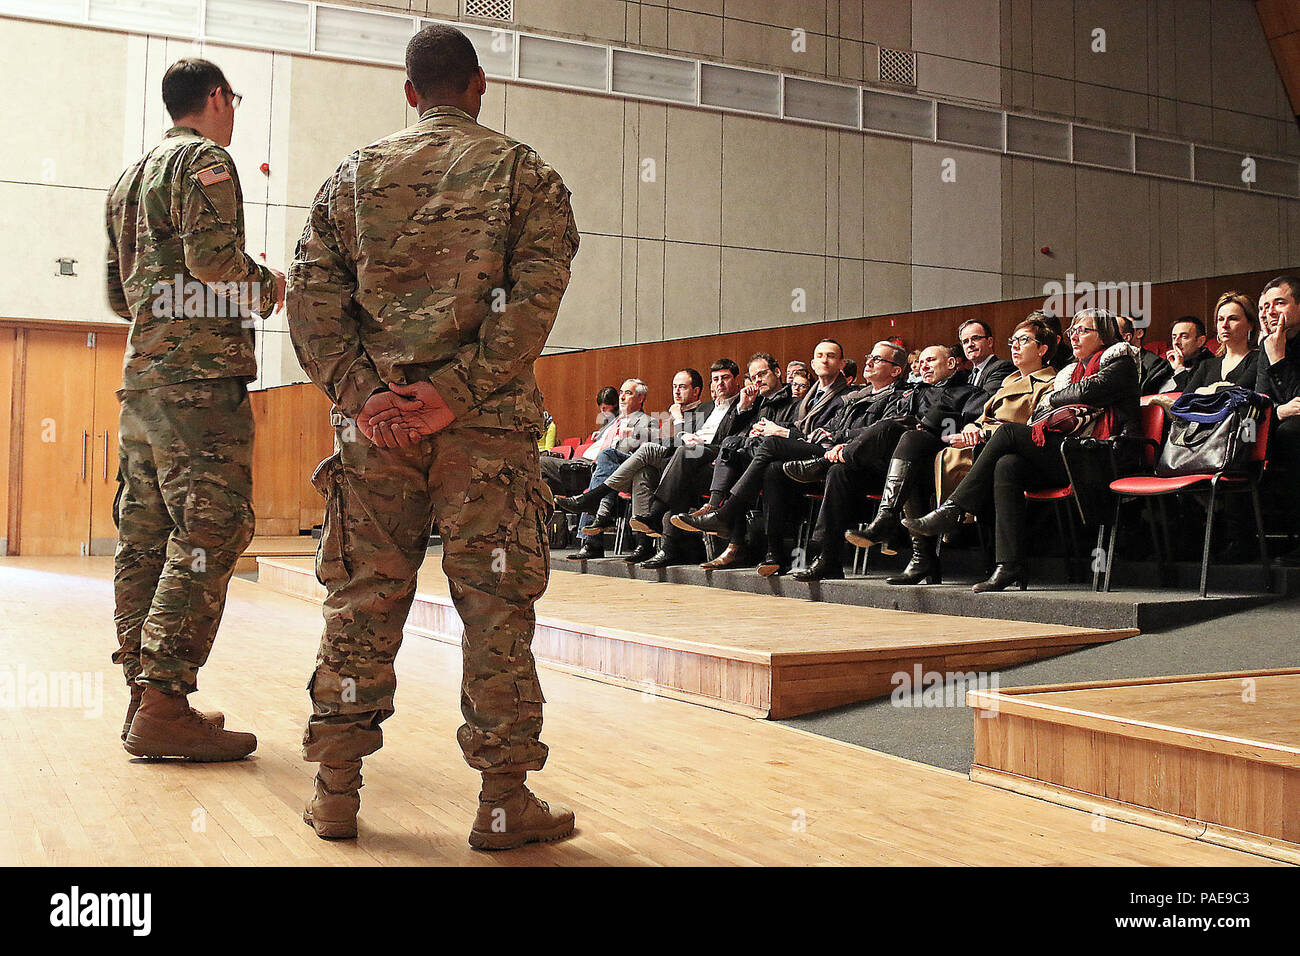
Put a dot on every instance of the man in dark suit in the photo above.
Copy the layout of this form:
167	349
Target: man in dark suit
1279	379
940	404
987	370
688	472
1187	341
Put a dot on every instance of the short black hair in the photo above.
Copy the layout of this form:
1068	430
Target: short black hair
980	322
1200	326
440	60
832	342
725	365
772	364
1292	284
850	369
697	380
187	84
607	396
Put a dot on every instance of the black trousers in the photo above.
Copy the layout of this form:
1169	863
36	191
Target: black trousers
844	502
1284	449
685	478
763	474
1008	465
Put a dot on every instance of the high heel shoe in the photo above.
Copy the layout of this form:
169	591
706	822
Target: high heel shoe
1005	575
943	519
924	565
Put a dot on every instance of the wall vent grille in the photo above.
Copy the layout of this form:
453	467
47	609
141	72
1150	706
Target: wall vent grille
897	66
490	9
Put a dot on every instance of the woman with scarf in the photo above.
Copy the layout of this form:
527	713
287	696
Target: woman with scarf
1104	380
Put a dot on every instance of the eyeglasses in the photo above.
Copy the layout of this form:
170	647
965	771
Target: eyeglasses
235	98
1077	331
876	359
1021	340
974	338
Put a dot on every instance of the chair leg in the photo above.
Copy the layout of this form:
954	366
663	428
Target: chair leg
1209	532
1263	544
1110	551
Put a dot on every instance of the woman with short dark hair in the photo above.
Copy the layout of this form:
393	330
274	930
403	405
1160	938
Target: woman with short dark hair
1018	458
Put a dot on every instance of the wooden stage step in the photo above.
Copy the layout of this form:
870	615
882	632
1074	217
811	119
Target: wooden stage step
1212	755
284	545
757	655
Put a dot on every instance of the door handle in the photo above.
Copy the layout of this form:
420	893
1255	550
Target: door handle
106	454
85	450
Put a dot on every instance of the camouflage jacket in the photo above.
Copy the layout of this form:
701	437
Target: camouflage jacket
175	236
441	253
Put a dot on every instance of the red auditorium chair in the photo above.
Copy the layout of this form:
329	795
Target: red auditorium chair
1244	479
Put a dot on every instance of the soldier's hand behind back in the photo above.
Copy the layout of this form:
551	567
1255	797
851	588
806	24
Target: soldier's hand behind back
423	409
279	289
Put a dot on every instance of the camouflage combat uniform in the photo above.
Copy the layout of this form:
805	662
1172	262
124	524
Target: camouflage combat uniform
439	253
176	225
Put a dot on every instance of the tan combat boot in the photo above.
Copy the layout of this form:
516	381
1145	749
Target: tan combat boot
332	812
166	726
137	691
509	815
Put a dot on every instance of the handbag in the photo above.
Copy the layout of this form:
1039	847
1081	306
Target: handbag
1210	433
1068	421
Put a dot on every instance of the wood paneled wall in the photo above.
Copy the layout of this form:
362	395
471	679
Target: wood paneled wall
570	381
1281	22
293	435
8	352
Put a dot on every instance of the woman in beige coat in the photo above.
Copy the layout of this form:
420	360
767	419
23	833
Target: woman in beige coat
1031	342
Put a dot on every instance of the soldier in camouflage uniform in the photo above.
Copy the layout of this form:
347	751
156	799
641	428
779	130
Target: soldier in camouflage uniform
177	271
423	289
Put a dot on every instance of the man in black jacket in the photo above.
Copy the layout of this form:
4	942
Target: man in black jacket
1187	336
884	367
1279	379
940	405
1153	369
987	370
687	474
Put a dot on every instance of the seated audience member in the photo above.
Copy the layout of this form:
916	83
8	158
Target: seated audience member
1031	342
1187	336
1020	457
1153	370
547	441
687	419
1063	355
883	368
1279	379
1237	330
914	367
799	378
606	408
942	402
623	434
850	372
987	370
689	471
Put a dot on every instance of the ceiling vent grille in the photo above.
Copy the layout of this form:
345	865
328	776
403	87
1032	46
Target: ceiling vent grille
897	66
490	9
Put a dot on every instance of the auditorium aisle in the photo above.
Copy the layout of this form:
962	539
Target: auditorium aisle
654	781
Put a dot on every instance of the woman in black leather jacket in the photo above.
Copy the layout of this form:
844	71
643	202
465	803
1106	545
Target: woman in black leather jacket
1017	458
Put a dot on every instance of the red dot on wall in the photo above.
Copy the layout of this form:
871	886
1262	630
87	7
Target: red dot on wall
265	168
1046	250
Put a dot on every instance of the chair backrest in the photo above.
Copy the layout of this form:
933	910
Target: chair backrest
1152	418
564	451
580	450
571	442
1260	452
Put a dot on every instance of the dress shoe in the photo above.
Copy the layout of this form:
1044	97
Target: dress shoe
644	552
732	557
660	559
807	472
588	551
820	570
1005	575
570	503
943	519
924	565
709	522
647	525
773	565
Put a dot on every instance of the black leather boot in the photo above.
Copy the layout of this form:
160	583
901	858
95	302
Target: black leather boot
885	526
1005	575
822	569
645	550
924	565
591	548
947	517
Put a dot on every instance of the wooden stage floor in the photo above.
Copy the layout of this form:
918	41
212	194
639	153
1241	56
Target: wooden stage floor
752	654
654	781
1213	754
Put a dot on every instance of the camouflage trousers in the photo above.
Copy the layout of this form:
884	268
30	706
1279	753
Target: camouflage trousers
483	487
184	516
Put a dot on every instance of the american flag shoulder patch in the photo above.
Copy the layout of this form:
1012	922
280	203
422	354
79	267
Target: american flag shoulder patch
212	175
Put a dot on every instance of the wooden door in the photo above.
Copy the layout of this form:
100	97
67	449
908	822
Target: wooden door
109	351
57	427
